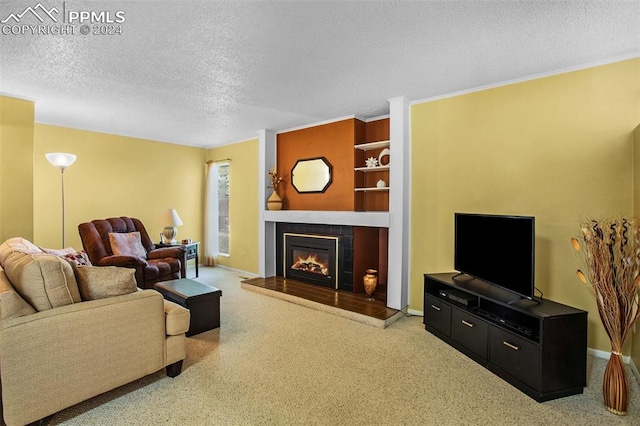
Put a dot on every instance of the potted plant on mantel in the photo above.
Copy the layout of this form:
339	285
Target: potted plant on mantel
274	202
611	250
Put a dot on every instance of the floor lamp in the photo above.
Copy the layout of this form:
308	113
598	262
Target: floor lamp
62	160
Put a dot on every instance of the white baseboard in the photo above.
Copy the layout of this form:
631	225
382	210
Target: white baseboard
415	312
606	354
626	359
238	271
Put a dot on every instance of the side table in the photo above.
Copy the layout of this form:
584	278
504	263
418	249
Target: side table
192	251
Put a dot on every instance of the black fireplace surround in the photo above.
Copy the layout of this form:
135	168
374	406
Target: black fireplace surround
317	254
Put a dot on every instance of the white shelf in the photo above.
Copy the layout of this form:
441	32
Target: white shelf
375	188
372	169
375	219
372	145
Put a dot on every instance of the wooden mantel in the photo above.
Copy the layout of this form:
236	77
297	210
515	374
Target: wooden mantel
373	219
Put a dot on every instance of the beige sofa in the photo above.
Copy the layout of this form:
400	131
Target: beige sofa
57	349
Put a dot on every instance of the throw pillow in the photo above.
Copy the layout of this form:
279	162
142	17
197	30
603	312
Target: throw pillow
16	244
128	244
80	258
100	282
43	280
58	253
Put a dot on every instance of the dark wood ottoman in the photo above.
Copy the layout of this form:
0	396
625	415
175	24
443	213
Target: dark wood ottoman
202	301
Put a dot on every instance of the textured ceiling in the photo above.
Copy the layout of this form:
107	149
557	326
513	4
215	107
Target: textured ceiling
211	73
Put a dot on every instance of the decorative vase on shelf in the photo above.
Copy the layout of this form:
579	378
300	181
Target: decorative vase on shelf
370	281
274	202
382	161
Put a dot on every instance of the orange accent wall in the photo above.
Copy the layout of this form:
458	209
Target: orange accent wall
335	142
376	131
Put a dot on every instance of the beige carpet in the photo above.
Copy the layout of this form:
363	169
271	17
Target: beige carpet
277	363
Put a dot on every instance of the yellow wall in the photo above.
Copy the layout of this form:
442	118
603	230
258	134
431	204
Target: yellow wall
558	148
16	168
114	176
243	204
635	342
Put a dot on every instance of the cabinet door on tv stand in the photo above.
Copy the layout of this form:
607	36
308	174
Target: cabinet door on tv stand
437	314
470	331
515	355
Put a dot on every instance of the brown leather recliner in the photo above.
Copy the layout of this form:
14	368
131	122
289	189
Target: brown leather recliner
162	264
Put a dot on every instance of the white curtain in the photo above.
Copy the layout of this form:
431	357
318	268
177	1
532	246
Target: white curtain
210	244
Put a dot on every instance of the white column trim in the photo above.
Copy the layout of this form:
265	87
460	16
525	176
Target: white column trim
266	230
399	203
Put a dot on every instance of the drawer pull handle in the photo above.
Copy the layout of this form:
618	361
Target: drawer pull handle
435	307
468	324
509	345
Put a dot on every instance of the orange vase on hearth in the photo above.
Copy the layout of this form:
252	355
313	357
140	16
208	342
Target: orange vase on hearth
370	281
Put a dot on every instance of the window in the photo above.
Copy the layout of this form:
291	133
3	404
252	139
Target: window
222	172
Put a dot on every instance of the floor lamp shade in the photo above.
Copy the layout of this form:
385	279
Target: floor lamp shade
170	219
62	160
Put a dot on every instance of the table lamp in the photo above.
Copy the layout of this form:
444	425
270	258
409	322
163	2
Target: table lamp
170	219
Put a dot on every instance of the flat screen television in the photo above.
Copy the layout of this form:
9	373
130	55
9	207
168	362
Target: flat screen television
497	249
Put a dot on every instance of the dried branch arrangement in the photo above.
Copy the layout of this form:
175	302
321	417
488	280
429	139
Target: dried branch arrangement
274	178
611	250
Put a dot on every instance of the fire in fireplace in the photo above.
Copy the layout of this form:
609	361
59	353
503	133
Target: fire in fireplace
312	258
310	263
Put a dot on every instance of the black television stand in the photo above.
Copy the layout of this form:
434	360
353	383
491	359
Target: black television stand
540	348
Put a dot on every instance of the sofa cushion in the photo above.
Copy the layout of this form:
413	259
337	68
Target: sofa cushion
16	244
43	280
99	282
11	304
127	244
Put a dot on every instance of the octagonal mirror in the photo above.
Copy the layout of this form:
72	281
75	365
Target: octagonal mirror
311	175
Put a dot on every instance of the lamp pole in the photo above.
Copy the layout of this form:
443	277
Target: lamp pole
62	180
62	160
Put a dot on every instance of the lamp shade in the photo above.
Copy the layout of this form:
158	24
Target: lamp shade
170	217
61	159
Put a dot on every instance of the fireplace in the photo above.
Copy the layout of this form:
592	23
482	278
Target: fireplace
312	258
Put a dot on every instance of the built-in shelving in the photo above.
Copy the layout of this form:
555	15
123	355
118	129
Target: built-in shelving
375	188
372	169
372	145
